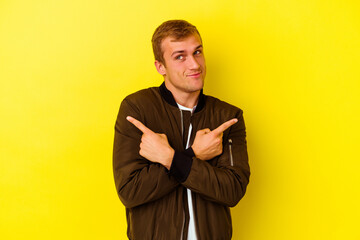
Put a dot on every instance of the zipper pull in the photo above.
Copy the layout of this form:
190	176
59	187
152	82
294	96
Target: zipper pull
230	153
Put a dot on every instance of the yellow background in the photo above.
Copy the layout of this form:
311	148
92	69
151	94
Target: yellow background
292	66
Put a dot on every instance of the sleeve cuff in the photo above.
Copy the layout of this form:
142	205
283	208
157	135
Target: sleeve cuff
181	164
189	152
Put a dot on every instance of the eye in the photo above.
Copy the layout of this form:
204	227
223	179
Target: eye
197	52
180	57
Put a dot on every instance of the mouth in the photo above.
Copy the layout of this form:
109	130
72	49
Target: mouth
194	75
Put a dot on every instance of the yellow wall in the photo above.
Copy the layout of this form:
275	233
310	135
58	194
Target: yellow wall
292	66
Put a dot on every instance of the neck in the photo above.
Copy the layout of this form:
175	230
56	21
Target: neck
185	99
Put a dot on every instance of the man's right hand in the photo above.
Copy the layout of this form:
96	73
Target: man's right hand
208	144
154	146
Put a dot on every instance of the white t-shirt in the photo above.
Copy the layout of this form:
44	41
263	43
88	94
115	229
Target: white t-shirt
191	229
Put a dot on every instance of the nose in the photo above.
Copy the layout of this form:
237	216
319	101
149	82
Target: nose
193	63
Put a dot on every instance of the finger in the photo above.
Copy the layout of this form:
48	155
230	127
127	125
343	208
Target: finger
224	126
138	124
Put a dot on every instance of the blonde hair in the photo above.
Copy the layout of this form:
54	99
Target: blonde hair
178	29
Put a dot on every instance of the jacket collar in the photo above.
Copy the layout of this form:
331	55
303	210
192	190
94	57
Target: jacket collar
169	98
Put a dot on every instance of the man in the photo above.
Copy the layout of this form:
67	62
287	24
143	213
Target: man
180	157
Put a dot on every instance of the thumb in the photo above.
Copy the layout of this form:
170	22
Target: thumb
162	135
204	131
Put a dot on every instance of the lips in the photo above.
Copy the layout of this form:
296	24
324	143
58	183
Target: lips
194	74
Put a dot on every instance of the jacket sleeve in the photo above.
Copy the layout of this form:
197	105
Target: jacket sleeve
138	181
226	180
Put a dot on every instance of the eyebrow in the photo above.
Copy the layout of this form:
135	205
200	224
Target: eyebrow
182	51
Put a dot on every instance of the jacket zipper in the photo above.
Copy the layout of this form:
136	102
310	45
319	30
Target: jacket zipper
230	152
182	135
182	124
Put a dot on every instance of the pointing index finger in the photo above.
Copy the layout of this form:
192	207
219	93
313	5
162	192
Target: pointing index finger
225	126
138	124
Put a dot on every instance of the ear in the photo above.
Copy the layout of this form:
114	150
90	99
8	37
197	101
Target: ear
160	67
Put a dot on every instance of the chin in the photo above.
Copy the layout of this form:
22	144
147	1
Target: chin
196	88
200	84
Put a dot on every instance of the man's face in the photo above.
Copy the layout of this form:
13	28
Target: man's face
185	69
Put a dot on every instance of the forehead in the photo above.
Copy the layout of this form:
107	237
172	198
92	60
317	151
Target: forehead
170	44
